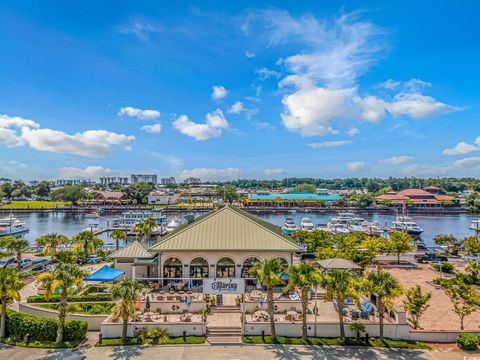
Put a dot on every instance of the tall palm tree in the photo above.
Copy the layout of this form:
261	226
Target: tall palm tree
64	276
10	285
148	225
118	235
86	241
51	242
473	267
340	284
16	246
305	276
268	272
386	288
127	290
139	230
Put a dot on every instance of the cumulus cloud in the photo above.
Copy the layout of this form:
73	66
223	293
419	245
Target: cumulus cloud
466	166
142	29
16	131
462	148
154	128
352	131
426	170
327	144
396	160
213	127
88	173
273	172
266	73
356	166
470	162
212	174
139	113
219	92
249	54
236	108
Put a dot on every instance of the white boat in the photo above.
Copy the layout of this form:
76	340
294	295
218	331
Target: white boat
338	228
92	216
130	218
406	224
11	225
289	227
475	225
174	223
306	224
373	228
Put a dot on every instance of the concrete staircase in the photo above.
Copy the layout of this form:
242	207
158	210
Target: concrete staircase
224	334
226	309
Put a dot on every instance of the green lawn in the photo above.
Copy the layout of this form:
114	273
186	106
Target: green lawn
135	341
33	204
335	342
46	344
98	308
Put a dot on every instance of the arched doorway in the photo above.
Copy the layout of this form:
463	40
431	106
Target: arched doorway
172	268
282	261
199	268
247	265
225	268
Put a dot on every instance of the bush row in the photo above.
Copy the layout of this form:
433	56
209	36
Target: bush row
467	341
43	329
74	298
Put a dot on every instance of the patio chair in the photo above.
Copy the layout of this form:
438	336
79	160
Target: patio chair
169	298
299	317
355	314
288	317
344	312
364	314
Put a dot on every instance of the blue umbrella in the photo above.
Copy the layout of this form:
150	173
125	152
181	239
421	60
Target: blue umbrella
283	275
260	301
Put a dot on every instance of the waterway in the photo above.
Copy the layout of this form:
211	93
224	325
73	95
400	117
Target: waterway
70	224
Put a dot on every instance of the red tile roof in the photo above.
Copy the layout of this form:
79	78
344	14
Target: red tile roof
109	195
415	195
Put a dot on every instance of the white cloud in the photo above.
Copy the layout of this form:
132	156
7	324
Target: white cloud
273	172
267	73
356	166
249	54
461	148
471	162
212	174
390	84
462	167
88	173
327	144
140	28
371	108
396	160
426	170
139	113
236	108
16	131
219	92
352	131
418	106
154	128
213	127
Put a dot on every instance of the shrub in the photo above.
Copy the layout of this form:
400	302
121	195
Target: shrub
445	267
74	298
42	329
467	341
94	308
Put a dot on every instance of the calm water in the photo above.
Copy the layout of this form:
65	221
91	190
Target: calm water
70	223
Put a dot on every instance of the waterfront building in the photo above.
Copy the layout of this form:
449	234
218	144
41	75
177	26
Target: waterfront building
292	199
63	182
139	178
160	197
168	181
417	198
107	180
192	180
109	196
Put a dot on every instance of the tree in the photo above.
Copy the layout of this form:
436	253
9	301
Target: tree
448	241
148	225
358	328
416	304
159	336
43	189
63	277
51	242
471	244
16	246
314	240
10	285
340	284
227	193
473	267
268	272
69	193
308	188
87	242
118	235
400	243
386	288
303	275
127	291
139	192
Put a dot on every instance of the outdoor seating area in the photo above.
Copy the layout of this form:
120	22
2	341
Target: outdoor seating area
158	317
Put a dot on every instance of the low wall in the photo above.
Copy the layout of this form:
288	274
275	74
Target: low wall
167	307
94	321
281	305
114	330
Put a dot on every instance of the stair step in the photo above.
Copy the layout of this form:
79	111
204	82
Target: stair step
224	339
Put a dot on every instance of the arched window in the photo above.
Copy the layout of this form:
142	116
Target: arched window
199	268
282	261
172	268
225	268
247	265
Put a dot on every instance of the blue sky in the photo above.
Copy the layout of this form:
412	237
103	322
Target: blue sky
222	90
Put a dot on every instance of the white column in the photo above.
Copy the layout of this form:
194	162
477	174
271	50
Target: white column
133	271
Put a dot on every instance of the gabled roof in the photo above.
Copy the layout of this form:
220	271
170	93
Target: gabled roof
294	197
132	251
227	229
338	263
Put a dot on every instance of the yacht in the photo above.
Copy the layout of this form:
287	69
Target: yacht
174	223
406	224
475	225
11	225
130	218
306	224
373	228
336	228
347	220
289	227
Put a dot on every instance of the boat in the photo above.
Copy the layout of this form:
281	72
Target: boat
346	221
338	228
174	223
372	228
130	218
11	225
475	225
92	216
289	226
92	227
406	224
306	224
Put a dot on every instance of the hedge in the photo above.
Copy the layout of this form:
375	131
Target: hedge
467	341
74	298
43	329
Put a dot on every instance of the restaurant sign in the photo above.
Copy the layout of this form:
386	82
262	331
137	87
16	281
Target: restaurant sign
223	286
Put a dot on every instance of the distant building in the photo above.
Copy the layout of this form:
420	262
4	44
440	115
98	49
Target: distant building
135	179
167	181
192	180
109	195
162	198
33	182
418	198
107	180
63	182
292	199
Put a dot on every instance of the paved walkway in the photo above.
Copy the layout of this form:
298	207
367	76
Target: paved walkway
237	352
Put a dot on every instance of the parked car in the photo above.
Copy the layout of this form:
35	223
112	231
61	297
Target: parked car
6	262
429	256
472	257
93	259
23	264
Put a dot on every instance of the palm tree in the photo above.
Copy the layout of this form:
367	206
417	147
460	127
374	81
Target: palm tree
159	336
64	276
86	241
386	288
340	284
474	268
268	272
139	230
148	225
127	290
51	242
303	275
16	246
358	328
10	284
118	235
